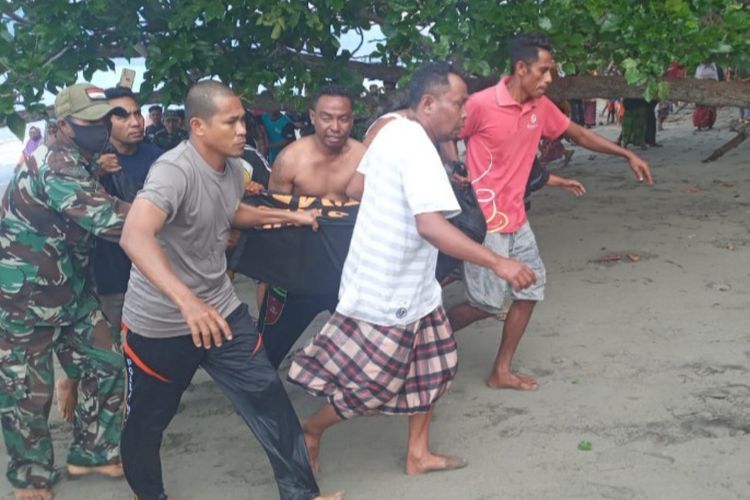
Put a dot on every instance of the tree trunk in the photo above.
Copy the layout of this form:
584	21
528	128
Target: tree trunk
706	92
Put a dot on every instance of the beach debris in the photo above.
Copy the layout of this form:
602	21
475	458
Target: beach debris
723	183
718	287
743	131
585	445
731	247
610	257
633	257
693	189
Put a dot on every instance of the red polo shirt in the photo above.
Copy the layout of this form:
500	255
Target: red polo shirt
502	139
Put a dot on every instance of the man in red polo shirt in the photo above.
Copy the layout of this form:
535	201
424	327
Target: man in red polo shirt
502	132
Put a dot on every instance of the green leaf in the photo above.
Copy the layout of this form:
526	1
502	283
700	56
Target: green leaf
16	124
663	90
276	33
649	92
722	48
545	24
675	6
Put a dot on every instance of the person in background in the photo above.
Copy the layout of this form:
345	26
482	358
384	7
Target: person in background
154	114
704	117
35	140
634	123
50	137
742	75
256	134
675	70
650	138
171	135
279	131
589	113
181	124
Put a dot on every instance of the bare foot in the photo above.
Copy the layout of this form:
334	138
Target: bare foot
66	390
312	440
113	471
510	381
433	462
335	496
33	494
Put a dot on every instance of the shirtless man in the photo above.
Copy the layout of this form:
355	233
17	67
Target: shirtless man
318	165
323	163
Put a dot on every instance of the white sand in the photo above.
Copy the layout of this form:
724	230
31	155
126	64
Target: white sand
648	361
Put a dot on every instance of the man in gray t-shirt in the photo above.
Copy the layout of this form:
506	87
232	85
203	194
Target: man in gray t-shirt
181	311
199	203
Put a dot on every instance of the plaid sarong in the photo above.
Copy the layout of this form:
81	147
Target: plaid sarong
363	368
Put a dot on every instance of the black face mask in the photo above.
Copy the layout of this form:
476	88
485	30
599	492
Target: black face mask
92	138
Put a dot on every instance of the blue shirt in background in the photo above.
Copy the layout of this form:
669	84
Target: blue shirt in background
111	264
277	130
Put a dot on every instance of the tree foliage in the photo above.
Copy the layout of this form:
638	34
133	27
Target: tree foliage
292	45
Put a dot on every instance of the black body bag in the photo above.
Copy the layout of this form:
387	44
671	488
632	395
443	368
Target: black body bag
297	258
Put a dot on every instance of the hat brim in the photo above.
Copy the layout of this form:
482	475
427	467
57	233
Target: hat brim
98	111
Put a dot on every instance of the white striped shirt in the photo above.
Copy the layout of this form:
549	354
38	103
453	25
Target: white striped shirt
389	273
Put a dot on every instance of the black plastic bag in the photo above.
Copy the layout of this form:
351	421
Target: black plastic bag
470	221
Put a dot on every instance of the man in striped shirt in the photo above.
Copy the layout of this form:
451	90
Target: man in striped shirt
389	347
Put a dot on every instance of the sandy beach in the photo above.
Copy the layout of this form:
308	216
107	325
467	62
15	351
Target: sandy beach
646	358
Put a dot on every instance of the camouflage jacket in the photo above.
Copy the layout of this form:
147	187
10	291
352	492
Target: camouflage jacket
49	216
167	141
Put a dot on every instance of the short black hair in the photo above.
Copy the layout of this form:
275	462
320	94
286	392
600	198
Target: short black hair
331	90
201	99
119	92
526	48
427	77
154	108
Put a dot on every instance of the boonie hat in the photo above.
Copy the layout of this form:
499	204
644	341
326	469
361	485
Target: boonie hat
84	101
171	114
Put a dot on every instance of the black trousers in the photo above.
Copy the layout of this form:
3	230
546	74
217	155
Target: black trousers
284	317
159	371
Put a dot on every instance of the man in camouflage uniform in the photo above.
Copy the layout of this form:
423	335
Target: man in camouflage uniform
171	135
49	216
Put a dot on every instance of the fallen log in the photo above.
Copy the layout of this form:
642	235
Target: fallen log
739	126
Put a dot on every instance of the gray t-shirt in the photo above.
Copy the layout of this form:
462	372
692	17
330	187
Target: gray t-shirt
200	204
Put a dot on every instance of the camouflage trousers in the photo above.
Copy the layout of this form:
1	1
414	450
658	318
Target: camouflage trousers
89	352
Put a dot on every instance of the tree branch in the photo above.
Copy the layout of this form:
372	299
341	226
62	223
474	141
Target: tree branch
55	57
